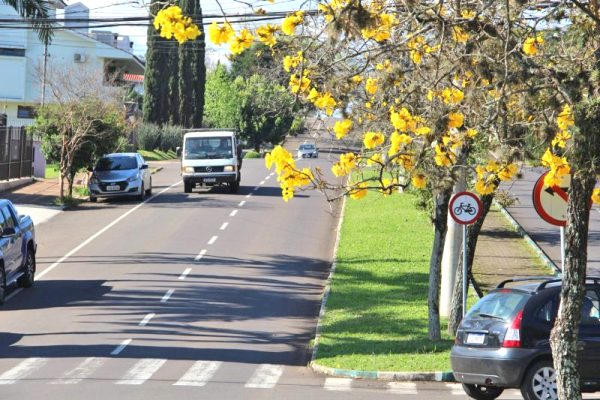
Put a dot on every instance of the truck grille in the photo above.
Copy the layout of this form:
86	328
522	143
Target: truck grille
209	169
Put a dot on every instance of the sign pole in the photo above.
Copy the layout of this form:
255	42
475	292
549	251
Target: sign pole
562	249
465	270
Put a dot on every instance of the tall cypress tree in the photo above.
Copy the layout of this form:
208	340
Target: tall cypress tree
156	90
192	71
173	74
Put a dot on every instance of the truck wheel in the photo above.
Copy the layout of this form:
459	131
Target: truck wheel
234	187
479	392
2	284
187	187
540	382
26	280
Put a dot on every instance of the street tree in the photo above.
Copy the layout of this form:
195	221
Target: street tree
37	11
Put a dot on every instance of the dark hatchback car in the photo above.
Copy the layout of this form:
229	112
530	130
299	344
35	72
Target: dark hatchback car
504	340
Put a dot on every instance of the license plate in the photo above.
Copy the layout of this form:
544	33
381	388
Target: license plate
210	180
112	188
475	338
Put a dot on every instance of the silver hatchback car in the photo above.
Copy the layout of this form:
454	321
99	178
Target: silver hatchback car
120	174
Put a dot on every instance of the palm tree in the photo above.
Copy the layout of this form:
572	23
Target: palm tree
37	13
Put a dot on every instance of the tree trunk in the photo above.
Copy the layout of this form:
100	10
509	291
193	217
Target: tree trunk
564	335
440	220
473	232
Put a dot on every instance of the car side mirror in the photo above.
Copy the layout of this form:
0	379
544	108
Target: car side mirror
144	166
8	232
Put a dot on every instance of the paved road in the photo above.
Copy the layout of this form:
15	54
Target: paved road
207	295
546	235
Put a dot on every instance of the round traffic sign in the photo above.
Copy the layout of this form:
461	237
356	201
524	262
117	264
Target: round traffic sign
550	202
465	208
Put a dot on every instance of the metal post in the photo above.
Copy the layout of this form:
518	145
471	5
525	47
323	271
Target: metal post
465	270
562	249
44	74
10	131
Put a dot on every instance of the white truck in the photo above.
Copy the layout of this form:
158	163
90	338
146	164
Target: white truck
211	157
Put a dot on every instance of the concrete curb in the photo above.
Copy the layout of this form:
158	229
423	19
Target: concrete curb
538	250
349	373
15	183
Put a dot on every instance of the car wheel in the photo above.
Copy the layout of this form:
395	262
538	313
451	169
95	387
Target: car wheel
479	392
149	191
540	382
142	193
2	284
26	280
93	199
187	187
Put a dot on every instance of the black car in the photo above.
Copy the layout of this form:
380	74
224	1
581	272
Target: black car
504	340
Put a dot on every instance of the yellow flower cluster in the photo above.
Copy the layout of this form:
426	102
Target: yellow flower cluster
459	35
266	34
288	176
170	22
220	34
388	186
346	164
445	151
403	121
358	191
419	47
323	101
397	141
381	29
455	120
241	42
289	24
341	128
373	139
371	86
596	196
490	175
419	181
559	167
532	45
299	84
291	62
375	159
564	121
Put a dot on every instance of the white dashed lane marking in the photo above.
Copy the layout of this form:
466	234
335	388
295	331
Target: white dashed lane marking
265	376
242	203
120	347
262	183
233	213
167	295
249	195
184	274
199	374
141	371
224	226
200	255
213	240
24	369
146	319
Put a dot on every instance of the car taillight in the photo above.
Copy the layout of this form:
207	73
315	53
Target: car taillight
513	333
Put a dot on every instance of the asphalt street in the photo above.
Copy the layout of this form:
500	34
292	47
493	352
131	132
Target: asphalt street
202	295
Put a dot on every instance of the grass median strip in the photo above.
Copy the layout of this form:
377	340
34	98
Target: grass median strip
376	314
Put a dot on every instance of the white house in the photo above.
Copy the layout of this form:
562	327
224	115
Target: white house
72	47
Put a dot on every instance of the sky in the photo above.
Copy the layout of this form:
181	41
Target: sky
129	8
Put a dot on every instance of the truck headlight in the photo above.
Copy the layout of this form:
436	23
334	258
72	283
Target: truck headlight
188	170
229	168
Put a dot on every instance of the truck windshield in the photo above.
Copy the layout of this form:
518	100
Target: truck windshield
208	148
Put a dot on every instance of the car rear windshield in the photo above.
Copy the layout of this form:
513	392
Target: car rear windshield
502	304
208	148
120	163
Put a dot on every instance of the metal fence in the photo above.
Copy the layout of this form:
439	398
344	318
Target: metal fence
16	153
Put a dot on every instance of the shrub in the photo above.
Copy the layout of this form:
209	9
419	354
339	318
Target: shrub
148	136
171	137
252	154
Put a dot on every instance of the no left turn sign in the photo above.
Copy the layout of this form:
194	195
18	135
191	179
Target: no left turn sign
550	202
465	208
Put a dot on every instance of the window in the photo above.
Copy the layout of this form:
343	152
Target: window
2	221
26	112
117	163
546	313
10	221
501	304
590	307
7	51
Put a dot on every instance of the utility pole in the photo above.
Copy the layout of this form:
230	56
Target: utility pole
44	73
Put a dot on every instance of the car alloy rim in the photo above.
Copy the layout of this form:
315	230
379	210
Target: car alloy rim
544	384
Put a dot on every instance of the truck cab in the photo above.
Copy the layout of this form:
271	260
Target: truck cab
210	158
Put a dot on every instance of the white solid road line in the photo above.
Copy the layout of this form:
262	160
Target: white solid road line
120	347
242	203
184	274
81	372
94	236
338	384
265	376
200	255
213	240
402	387
146	319
199	374
167	295
141	371
224	226
22	370
232	214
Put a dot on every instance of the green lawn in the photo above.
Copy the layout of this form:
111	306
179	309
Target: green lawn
157	155
52	171
376	316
